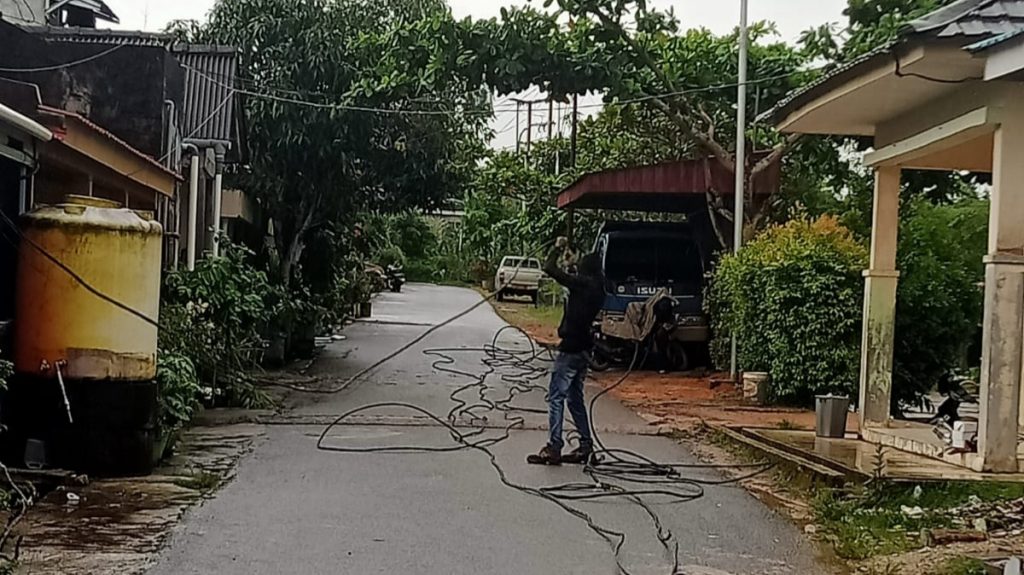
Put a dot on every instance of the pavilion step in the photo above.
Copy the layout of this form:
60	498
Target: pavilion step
822	470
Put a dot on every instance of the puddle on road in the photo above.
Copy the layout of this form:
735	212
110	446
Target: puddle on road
118	525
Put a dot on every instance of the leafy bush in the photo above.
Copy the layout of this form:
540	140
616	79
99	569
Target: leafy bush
939	301
391	255
793	296
180	391
6	371
215	316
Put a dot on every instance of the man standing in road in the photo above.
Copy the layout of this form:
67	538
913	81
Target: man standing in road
586	295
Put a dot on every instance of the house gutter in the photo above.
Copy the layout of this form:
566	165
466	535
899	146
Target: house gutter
220	148
193	206
25	124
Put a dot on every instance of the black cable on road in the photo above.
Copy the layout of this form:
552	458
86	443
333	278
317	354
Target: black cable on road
609	464
610	472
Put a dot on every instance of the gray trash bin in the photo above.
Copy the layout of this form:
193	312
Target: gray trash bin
831	413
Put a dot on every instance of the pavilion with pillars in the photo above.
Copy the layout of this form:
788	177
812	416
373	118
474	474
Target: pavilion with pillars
946	94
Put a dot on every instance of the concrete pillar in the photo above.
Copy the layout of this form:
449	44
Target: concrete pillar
880	282
1003	322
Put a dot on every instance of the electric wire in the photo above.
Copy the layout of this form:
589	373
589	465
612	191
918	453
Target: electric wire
405	347
608	470
606	465
65	65
75	276
265	92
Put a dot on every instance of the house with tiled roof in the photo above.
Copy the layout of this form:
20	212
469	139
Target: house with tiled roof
946	94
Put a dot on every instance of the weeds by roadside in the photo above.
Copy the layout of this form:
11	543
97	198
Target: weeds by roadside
885	518
877	527
963	566
203	481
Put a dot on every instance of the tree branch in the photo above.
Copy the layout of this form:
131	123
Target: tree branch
776	154
679	107
700	138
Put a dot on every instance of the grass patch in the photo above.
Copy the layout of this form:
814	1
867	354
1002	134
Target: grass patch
203	482
963	566
545	315
528	316
870	522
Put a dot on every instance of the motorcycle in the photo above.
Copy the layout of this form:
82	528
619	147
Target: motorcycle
395	278
610	350
658	348
958	432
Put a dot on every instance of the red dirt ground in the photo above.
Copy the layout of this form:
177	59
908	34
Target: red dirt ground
682	401
685	401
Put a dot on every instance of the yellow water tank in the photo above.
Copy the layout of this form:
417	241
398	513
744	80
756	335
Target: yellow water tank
114	250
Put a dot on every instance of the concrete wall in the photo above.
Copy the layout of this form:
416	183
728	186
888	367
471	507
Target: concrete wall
123	91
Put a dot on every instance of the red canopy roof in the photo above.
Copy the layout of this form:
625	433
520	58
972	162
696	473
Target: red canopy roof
679	186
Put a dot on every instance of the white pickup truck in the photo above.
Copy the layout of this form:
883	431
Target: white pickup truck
518	276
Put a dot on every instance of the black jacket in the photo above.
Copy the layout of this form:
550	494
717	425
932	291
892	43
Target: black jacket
586	297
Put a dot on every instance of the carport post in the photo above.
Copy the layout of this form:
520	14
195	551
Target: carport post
741	160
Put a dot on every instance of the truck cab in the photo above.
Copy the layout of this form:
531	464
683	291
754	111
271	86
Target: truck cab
640	258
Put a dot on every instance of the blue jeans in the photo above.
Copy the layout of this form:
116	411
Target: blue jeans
567	385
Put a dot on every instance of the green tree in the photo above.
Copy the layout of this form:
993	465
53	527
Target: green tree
870	24
939	298
340	109
626	51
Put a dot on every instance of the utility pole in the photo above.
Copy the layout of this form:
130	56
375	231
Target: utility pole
741	160
518	133
529	127
575	124
551	117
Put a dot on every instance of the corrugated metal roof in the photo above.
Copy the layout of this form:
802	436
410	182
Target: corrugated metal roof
208	111
670	187
98	36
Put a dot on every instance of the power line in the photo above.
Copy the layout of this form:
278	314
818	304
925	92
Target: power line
264	93
65	65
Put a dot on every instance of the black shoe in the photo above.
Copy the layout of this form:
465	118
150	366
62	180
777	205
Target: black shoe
547	456
582	455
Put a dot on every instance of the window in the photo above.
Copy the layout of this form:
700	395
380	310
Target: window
660	259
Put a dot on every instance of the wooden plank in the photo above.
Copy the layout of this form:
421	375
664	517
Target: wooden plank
780	454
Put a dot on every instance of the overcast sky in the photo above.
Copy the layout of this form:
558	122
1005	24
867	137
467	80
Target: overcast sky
721	16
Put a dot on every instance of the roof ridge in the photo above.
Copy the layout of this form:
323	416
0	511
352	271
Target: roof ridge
944	16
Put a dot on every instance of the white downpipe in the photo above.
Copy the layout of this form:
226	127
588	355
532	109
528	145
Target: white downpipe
193	209
218	182
741	158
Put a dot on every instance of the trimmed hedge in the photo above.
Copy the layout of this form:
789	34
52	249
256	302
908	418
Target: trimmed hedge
794	297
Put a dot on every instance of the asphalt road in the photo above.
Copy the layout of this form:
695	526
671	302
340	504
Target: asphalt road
293	509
